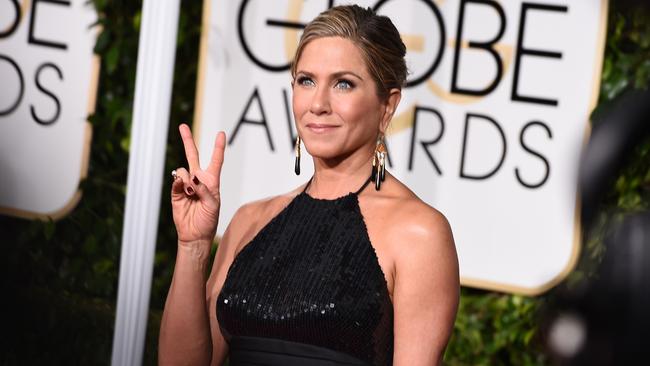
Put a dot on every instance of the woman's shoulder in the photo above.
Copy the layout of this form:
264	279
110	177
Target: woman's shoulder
419	234
411	222
252	216
268	205
404	206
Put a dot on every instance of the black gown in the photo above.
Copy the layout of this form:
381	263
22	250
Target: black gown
308	290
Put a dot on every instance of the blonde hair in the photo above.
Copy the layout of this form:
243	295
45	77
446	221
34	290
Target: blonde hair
375	36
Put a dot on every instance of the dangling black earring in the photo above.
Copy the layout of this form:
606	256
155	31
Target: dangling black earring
378	174
296	167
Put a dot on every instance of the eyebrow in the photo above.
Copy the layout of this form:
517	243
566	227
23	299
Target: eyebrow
334	75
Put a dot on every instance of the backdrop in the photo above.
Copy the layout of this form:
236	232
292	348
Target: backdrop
489	129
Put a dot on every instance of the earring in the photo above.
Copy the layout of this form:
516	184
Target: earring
296	167
378	174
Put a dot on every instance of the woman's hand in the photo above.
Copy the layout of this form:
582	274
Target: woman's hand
195	194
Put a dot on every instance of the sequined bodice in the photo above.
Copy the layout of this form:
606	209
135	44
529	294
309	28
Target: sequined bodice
311	276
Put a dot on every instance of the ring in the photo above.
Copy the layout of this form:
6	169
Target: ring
174	175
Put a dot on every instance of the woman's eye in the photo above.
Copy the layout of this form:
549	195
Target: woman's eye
305	81
344	84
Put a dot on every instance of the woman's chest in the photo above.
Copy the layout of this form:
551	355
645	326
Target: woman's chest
312	263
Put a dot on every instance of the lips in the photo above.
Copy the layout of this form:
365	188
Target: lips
320	127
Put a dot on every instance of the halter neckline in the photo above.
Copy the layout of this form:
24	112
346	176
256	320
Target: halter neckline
355	193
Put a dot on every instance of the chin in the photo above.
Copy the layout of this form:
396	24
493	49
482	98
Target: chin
323	150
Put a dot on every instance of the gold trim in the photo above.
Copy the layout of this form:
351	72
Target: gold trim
534	291
23	10
200	83
291	36
413	42
85	157
506	52
600	56
465	281
72	202
577	234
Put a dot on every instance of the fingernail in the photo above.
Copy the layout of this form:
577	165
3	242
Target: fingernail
196	180
190	190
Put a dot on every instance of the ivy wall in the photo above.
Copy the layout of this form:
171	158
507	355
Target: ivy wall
59	280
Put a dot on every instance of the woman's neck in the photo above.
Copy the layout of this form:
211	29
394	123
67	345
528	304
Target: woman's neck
333	179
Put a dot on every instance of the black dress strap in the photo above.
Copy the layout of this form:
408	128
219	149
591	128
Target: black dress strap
308	184
363	186
355	193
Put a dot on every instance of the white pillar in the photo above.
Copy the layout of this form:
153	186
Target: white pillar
153	86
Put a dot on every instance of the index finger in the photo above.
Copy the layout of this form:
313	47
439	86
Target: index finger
191	153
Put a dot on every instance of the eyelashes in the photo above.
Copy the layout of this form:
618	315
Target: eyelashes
343	84
305	81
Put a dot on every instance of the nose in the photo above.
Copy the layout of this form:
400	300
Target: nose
320	103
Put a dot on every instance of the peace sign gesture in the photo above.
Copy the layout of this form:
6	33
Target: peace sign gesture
195	194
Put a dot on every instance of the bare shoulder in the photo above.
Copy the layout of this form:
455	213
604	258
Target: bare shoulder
251	217
257	209
262	208
421	226
425	238
426	279
410	236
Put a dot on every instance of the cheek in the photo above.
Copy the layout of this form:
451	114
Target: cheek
299	105
360	110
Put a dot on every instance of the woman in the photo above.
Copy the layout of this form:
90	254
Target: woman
337	271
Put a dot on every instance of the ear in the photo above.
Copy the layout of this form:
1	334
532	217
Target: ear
390	105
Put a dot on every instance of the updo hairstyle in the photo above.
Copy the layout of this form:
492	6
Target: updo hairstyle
375	36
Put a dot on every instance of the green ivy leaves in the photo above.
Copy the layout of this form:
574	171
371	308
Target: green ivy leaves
64	274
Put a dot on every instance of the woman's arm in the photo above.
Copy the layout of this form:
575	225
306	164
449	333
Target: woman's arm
190	333
195	198
184	331
426	289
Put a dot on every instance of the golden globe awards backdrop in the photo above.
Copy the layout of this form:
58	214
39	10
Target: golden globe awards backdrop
489	129
48	78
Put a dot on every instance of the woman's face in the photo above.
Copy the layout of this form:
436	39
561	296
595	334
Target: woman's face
335	100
